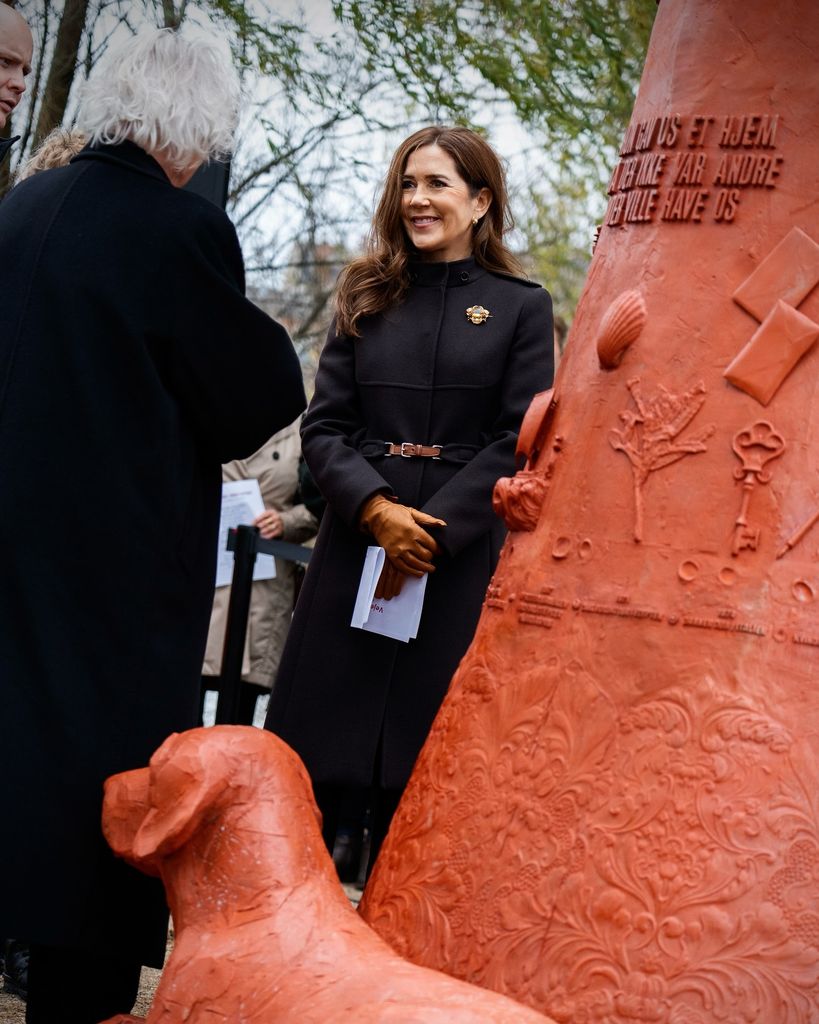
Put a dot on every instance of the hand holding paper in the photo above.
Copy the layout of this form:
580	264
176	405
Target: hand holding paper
241	505
399	530
389	582
398	618
270	523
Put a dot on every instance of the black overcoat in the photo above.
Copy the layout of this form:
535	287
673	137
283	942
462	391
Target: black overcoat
131	367
421	373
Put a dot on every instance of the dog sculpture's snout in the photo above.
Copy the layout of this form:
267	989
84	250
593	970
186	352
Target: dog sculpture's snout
124	807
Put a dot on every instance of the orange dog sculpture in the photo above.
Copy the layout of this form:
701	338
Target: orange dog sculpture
264	932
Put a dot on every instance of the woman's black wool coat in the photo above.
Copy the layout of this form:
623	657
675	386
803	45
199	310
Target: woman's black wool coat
423	373
131	367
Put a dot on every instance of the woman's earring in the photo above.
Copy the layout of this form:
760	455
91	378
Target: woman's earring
474	222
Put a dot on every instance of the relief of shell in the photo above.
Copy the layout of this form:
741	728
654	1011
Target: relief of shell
620	327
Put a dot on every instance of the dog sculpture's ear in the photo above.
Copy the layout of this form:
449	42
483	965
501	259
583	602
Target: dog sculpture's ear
184	785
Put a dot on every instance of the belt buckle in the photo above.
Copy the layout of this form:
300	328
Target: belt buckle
439	447
408	454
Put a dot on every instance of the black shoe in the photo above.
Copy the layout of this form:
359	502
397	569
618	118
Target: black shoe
363	861
15	968
346	856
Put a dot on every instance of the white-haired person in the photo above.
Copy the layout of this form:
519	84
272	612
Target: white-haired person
131	367
56	150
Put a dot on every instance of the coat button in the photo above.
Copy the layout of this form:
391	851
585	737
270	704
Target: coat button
464	275
275	455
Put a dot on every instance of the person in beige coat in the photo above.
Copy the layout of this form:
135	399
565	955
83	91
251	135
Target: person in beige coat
275	466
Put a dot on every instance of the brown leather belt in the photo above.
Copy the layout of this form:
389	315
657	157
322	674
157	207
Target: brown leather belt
407	450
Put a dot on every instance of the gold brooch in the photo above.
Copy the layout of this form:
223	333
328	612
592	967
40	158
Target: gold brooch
477	314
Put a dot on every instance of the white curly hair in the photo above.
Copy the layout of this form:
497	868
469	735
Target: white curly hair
167	93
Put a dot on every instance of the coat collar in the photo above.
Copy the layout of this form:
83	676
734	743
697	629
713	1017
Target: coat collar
5	146
126	154
449	275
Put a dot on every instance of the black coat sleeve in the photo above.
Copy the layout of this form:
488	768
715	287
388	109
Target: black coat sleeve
232	368
328	432
465	501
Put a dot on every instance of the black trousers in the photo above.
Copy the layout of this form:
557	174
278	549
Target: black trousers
66	986
333	799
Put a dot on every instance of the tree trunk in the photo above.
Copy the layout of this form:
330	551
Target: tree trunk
63	67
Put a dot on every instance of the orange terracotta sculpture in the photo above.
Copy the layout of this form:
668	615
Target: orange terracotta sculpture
616	816
263	930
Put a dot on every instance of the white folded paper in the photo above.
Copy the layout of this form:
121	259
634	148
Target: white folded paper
397	618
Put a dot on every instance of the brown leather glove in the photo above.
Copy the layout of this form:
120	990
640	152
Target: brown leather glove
389	582
398	529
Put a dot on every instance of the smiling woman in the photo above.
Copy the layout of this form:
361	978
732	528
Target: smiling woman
439	208
451	174
434	355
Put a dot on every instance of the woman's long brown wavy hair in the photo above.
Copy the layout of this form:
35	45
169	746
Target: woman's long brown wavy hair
380	278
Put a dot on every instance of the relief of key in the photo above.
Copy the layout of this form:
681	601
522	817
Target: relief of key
755	447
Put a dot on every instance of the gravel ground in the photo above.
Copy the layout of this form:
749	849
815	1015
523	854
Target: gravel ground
13	1010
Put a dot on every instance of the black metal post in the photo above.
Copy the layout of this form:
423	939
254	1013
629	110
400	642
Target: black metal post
244	554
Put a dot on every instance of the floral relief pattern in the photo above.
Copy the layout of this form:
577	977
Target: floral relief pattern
653	864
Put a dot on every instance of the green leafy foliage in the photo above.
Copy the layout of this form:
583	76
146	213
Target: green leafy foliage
570	68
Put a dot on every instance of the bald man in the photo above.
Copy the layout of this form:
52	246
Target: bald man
16	48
